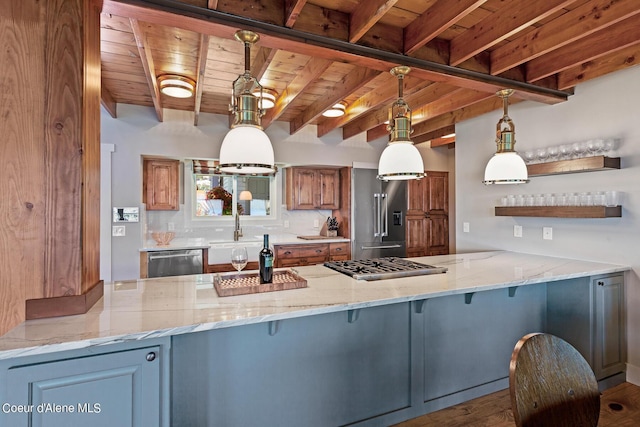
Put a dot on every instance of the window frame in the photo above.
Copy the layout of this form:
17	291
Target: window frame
275	198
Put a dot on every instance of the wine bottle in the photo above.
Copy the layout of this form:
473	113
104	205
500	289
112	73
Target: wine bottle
266	262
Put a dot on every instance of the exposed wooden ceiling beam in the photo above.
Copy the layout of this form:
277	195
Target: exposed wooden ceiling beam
438	142
455	100
453	117
436	134
377	132
606	64
615	37
108	102
292	9
312	71
442	15
452	100
223	25
498	26
202	66
351	82
366	14
386	93
375	118
573	25
147	64
261	62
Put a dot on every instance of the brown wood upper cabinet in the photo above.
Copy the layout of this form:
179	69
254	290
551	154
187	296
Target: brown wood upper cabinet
161	179
312	188
428	215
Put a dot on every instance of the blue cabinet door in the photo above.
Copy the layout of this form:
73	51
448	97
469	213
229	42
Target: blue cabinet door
114	389
469	338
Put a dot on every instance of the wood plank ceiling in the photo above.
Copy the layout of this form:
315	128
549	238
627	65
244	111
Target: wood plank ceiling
315	53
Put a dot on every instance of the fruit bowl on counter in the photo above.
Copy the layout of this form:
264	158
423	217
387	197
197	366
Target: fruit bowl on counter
163	238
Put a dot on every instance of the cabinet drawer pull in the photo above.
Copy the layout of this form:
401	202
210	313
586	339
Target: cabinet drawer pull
318	251
600	283
338	249
287	253
151	356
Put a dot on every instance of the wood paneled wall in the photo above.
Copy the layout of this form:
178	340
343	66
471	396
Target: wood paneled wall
50	174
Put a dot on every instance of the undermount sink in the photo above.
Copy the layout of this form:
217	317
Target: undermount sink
220	250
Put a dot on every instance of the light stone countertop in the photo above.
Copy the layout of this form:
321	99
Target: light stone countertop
149	308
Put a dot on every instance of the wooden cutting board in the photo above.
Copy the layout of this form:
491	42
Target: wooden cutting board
317	237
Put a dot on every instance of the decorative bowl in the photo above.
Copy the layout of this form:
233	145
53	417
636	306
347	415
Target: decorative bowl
163	238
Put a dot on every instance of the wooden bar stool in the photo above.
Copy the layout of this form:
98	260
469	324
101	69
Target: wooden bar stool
551	384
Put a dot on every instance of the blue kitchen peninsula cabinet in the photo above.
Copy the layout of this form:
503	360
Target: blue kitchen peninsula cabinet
118	385
469	338
325	370
589	313
380	365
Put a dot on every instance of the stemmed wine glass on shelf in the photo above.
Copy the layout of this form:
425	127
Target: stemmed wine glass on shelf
239	258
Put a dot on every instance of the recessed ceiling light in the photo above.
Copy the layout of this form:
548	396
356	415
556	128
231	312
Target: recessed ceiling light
268	97
176	86
336	111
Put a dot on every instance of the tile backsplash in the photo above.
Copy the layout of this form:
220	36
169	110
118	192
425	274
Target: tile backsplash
300	222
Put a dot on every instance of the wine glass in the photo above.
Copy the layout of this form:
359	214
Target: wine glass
542	154
239	258
529	156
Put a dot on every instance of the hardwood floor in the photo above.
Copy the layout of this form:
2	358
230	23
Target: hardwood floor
619	407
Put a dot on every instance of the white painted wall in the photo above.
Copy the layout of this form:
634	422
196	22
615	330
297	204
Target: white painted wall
604	107
137	132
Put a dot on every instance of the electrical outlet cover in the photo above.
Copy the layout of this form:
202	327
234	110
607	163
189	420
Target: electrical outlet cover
465	227
118	231
547	233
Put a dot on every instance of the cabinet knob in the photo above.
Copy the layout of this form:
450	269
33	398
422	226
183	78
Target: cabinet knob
600	283
151	356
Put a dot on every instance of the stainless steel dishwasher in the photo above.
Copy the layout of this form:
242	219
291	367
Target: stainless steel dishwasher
174	263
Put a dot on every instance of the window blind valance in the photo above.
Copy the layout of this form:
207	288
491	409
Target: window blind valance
210	167
206	167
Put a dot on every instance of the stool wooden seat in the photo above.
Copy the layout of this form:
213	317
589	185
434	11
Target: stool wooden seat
551	384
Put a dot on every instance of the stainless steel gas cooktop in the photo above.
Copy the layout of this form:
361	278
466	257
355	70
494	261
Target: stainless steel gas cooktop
383	268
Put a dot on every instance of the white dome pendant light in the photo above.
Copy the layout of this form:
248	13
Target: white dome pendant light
506	166
400	159
246	149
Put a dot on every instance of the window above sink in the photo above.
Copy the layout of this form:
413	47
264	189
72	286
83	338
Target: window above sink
216	196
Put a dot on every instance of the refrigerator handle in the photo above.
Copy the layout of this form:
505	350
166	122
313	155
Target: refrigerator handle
376	215
384	232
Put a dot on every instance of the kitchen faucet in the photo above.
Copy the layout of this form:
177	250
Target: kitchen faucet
237	232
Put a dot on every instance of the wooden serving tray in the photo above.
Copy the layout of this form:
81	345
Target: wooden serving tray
232	284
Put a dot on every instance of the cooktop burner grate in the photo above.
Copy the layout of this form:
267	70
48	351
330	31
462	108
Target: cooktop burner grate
383	268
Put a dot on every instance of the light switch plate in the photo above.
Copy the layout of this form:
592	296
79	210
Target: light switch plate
316	223
547	233
517	231
465	227
118	230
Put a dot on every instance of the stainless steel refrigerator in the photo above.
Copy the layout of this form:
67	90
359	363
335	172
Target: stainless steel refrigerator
377	216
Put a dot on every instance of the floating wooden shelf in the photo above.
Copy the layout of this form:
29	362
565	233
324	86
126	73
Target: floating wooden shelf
585	164
561	211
